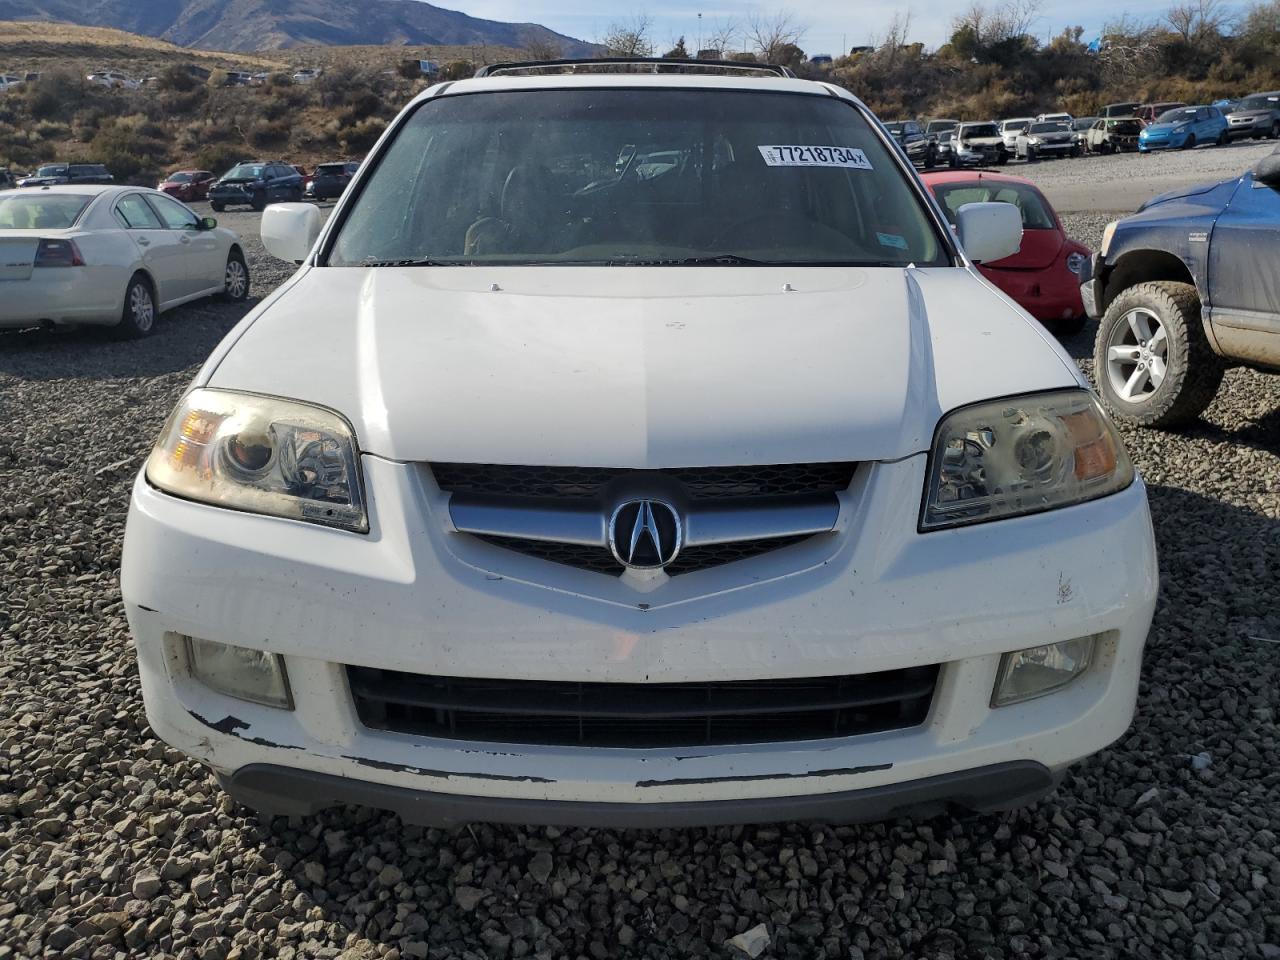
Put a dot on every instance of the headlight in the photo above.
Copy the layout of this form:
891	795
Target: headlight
1009	458
1075	262
1027	674
1179	129
1107	233
261	455
1034	141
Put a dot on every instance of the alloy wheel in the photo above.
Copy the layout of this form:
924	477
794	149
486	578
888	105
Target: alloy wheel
1137	356
237	280
141	307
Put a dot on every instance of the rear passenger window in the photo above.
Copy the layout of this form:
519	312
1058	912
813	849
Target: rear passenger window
137	214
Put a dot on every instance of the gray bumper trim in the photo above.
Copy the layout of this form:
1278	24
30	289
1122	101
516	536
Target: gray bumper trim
273	790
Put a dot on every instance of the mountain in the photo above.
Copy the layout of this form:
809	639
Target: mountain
247	25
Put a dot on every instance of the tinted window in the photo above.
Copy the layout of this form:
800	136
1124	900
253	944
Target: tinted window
137	214
179	178
55	171
1259	103
980	130
174	214
43	211
1047	127
1015	126
637	176
1035	213
330	170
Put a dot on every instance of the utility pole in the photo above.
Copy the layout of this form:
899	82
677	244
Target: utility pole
699	46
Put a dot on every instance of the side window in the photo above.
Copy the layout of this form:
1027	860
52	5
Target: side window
137	213
174	214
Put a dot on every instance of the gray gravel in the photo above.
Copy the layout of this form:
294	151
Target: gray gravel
113	845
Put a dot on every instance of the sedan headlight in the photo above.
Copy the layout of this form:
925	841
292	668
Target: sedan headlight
1009	458
261	455
1034	141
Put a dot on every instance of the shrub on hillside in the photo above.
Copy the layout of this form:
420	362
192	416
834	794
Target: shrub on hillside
220	157
133	148
178	79
359	137
269	133
56	96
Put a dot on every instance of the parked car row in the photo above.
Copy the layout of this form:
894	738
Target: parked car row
1118	127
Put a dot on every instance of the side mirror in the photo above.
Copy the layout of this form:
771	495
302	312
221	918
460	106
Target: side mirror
207	223
1267	170
989	231
289	230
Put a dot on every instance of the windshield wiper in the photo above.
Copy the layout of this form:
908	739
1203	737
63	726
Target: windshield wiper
719	260
412	263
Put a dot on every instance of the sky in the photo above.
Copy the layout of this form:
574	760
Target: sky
831	25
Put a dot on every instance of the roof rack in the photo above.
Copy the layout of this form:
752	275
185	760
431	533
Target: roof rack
673	65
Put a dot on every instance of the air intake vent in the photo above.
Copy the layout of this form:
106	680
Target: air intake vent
648	715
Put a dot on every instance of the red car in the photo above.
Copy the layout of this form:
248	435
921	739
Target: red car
187	185
1043	277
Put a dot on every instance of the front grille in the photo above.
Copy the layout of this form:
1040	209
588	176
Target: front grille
588	483
650	715
601	559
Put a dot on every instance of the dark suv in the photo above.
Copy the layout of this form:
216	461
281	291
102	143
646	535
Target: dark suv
919	149
1185	288
330	180
256	183
1257	116
55	174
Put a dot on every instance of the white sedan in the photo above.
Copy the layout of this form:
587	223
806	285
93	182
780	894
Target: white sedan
110	256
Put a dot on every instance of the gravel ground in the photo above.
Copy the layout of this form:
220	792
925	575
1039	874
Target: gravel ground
1123	181
113	845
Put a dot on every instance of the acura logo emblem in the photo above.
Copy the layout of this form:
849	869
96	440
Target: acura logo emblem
645	534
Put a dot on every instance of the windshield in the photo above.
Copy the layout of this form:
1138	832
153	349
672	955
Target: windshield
1032	206
979	130
179	178
1124	126
60	171
331	169
41	212
895	128
1259	103
1177	116
654	177
1015	126
244	171
939	126
1048	127
1083	123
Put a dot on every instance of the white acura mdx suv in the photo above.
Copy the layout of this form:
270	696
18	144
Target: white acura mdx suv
636	448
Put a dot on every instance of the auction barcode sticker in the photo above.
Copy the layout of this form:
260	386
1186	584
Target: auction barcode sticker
796	156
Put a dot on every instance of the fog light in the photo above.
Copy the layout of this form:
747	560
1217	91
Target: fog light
1027	674
239	672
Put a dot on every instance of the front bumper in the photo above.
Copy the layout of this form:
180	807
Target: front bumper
414	596
1260	127
1049	294
231	196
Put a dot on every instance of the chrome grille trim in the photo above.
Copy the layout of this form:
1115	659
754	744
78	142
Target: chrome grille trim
587	526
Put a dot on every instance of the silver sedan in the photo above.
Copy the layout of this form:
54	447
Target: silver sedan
111	256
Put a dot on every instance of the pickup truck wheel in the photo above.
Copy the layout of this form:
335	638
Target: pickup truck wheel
1275	130
1031	154
1152	362
217	207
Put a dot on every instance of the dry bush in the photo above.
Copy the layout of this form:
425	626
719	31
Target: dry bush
269	133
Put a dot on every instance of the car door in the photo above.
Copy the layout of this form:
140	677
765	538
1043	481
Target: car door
1244	285
162	251
206	262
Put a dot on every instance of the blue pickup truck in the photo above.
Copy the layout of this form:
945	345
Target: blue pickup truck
1183	289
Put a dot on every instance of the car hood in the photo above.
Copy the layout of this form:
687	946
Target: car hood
1184	193
643	367
1249	114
